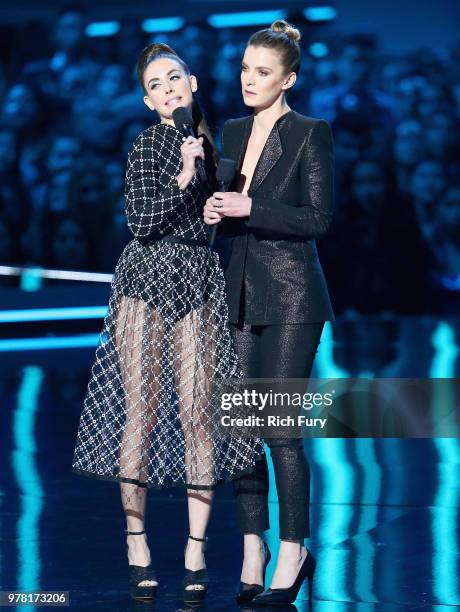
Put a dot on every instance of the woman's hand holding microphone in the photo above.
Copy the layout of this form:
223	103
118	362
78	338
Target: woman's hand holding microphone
191	149
220	204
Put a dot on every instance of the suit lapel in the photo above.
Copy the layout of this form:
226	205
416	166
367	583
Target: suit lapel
244	138
271	153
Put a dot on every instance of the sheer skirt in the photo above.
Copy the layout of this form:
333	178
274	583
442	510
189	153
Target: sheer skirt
150	415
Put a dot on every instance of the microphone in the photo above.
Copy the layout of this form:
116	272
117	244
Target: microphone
225	174
183	121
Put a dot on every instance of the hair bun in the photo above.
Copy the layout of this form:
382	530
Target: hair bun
280	25
161	48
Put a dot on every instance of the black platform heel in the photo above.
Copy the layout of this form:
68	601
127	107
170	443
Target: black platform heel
289	595
246	592
139	573
193	577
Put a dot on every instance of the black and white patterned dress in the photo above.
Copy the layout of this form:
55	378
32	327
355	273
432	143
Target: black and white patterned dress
149	417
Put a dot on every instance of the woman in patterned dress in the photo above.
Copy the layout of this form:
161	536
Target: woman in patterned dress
148	418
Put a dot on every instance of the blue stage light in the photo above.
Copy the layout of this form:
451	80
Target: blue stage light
163	24
318	49
320	13
52	314
102	28
249	18
26	468
445	351
48	343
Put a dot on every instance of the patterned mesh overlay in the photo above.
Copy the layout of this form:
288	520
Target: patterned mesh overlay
149	417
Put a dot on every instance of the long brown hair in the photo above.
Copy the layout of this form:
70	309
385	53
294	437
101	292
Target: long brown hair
157	50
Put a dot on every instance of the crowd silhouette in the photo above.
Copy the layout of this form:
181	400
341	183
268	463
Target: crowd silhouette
71	107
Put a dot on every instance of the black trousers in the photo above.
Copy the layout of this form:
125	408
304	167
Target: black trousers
277	351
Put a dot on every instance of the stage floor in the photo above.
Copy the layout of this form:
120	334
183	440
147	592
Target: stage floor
385	513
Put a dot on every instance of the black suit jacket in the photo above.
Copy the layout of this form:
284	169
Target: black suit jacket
273	266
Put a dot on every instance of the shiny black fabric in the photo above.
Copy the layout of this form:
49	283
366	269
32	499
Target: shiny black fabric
273	255
277	351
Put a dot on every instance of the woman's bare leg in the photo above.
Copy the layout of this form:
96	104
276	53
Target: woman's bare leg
254	559
140	418
199	512
291	555
134	499
193	367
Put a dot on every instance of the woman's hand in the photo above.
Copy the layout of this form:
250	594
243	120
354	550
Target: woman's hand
190	149
184	178
211	215
229	204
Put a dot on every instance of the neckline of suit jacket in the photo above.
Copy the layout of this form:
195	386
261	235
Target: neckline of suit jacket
271	152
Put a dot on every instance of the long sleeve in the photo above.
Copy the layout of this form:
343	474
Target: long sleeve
150	207
313	217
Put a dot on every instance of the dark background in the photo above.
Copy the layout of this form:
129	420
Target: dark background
384	513
386	78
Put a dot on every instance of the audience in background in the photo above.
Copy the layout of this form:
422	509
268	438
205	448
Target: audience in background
70	108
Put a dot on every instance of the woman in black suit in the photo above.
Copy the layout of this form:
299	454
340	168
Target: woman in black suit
282	200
